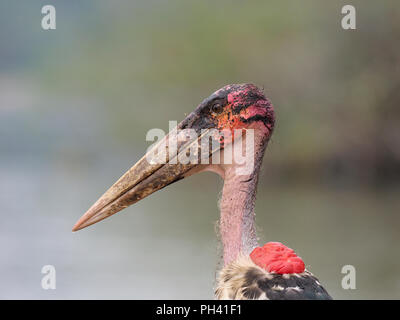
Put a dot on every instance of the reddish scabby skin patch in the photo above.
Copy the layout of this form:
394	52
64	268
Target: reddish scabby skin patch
246	108
277	258
246	104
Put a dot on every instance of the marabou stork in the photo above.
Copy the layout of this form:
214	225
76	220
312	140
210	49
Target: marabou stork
250	272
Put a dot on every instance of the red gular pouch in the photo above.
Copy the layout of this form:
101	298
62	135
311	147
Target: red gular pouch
277	258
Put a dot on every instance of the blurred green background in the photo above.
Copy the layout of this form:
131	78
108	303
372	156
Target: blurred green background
76	104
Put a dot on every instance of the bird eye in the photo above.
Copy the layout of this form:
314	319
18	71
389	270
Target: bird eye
217	107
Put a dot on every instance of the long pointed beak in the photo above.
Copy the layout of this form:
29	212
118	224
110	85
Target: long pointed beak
152	172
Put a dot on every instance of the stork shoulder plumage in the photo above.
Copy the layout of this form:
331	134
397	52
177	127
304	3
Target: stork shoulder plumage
243	279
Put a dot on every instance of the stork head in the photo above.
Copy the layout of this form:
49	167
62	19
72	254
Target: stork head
231	109
236	106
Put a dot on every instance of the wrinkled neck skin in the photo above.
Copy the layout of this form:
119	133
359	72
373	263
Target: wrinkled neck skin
237	221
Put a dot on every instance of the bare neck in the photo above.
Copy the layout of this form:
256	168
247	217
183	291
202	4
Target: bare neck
237	223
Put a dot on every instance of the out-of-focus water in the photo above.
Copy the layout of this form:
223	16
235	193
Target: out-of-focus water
165	246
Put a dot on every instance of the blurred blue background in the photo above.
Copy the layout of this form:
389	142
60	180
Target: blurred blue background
76	104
